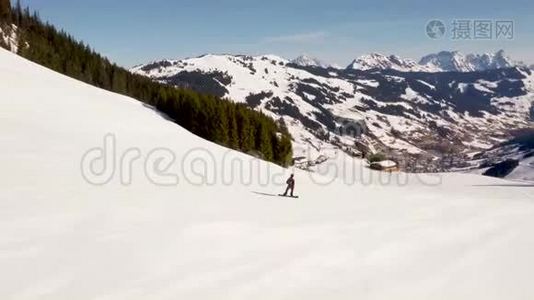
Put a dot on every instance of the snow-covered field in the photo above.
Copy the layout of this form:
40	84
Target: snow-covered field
435	237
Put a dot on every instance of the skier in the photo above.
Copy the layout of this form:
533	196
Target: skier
290	185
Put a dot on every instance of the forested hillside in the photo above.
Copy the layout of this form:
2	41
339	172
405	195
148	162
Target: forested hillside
218	120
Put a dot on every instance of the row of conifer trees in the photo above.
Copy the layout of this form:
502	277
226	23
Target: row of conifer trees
219	120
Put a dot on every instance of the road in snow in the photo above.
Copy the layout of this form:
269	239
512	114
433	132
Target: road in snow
468	237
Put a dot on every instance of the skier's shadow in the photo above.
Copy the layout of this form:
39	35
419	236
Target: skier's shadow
265	194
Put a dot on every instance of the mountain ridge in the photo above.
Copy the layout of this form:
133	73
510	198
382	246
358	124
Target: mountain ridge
442	61
419	113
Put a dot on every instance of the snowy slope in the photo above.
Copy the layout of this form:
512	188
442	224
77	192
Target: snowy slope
468	237
264	82
407	113
525	170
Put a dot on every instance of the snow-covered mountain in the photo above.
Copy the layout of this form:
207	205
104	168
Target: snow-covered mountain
172	224
376	61
409	114
444	61
457	62
308	61
448	61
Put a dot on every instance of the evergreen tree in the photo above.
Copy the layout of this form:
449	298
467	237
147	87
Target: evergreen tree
283	153
263	140
118	82
245	129
5	11
221	121
233	132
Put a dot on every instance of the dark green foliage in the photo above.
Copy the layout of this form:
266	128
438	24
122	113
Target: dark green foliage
264	140
5	21
245	130
376	157
5	11
221	121
233	133
283	152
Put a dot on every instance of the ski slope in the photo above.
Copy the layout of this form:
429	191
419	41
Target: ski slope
453	236
523	172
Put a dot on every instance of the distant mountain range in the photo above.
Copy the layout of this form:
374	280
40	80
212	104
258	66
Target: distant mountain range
457	62
444	61
376	61
448	103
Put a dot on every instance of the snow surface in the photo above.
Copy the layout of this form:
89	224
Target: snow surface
394	236
387	164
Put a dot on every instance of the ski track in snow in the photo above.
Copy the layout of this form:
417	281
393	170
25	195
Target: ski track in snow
466	237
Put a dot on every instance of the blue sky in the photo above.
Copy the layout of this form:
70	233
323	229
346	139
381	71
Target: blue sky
131	31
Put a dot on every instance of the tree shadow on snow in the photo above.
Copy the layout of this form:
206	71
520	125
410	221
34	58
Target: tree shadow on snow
159	113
